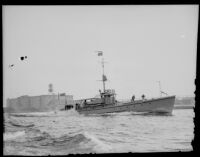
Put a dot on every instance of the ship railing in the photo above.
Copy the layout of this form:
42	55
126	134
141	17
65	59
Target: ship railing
128	100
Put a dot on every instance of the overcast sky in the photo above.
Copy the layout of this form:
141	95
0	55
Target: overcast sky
141	44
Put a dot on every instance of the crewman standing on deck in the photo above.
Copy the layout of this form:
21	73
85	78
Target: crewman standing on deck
133	98
143	97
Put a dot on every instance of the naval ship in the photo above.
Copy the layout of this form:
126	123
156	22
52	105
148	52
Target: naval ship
107	102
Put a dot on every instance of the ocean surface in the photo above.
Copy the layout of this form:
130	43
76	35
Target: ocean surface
67	132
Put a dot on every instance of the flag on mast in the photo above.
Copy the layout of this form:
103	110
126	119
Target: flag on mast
104	78
100	53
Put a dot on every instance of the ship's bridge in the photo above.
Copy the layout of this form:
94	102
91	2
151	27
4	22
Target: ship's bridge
109	92
109	96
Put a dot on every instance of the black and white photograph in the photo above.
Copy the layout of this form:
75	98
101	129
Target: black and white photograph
81	79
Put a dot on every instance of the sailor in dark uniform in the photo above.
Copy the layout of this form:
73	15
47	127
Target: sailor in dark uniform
85	102
133	98
143	97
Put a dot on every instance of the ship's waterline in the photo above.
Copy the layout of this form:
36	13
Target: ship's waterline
160	105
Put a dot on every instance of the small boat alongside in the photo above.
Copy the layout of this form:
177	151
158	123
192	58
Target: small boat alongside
107	102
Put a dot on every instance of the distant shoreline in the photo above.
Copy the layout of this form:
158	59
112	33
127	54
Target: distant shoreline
183	106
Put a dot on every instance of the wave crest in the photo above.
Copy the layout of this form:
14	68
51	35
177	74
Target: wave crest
13	135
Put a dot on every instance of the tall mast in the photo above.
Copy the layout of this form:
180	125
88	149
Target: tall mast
160	88
100	53
103	76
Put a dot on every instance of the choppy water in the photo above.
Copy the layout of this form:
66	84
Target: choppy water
68	132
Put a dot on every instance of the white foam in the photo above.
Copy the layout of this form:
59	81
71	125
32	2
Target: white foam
49	113
100	146
11	136
37	114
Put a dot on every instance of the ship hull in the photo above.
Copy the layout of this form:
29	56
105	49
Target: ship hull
159	105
